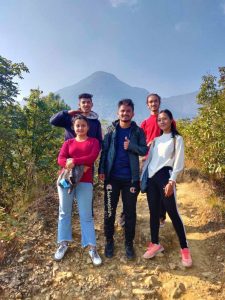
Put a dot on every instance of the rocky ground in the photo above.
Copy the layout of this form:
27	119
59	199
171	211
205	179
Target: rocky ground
28	270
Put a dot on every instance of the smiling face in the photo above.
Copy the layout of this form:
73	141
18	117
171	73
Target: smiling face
164	122
85	105
81	128
153	104
125	113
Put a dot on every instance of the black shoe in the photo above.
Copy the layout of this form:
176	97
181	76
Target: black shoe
109	249
129	248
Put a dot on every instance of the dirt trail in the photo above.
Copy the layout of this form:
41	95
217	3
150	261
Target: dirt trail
30	273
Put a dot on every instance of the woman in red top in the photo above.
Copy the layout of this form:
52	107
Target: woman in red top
81	150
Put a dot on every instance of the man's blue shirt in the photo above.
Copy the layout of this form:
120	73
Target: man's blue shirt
121	167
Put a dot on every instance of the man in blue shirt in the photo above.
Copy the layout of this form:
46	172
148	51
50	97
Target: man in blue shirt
119	168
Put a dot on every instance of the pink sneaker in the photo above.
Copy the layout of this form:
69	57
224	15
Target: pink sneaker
152	250
186	257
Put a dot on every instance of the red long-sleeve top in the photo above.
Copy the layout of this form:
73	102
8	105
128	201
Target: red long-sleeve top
83	153
151	128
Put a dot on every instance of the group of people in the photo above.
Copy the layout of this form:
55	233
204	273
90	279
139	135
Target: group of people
161	147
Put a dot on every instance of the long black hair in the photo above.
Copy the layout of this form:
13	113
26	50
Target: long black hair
173	126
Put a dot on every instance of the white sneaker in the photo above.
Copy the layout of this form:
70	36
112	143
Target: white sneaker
96	259
60	252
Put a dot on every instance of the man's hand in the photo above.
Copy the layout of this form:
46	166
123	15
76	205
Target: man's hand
126	143
101	177
74	112
168	189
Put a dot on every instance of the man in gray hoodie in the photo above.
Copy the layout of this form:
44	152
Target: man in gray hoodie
64	118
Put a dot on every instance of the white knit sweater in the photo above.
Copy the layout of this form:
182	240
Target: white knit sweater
162	155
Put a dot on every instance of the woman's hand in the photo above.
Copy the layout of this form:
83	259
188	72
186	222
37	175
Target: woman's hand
149	143
86	168
69	163
169	188
101	177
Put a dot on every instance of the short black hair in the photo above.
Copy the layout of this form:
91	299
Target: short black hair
152	94
127	102
86	96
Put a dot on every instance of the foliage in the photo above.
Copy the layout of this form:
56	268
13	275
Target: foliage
205	135
29	146
8	87
9	225
104	125
28	143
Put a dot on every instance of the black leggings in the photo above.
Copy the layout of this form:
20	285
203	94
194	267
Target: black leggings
155	194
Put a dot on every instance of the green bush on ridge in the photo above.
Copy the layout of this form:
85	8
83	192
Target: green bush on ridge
205	135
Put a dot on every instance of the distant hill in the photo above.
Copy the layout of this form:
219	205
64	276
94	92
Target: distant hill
182	106
108	90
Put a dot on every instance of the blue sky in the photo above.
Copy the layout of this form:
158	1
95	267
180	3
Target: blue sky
164	46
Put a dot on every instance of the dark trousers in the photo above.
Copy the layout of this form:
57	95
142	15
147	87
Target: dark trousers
162	214
129	192
155	194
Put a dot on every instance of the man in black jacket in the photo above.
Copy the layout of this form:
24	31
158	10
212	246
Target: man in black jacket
119	168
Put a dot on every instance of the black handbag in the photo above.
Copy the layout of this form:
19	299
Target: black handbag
144	175
144	181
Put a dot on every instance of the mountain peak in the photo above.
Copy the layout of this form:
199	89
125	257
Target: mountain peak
99	75
108	90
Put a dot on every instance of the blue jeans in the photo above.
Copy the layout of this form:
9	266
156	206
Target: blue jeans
83	194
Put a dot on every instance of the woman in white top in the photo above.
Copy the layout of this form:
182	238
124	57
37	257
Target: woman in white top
165	161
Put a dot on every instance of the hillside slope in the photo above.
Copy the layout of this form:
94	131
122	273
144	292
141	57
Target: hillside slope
29	271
